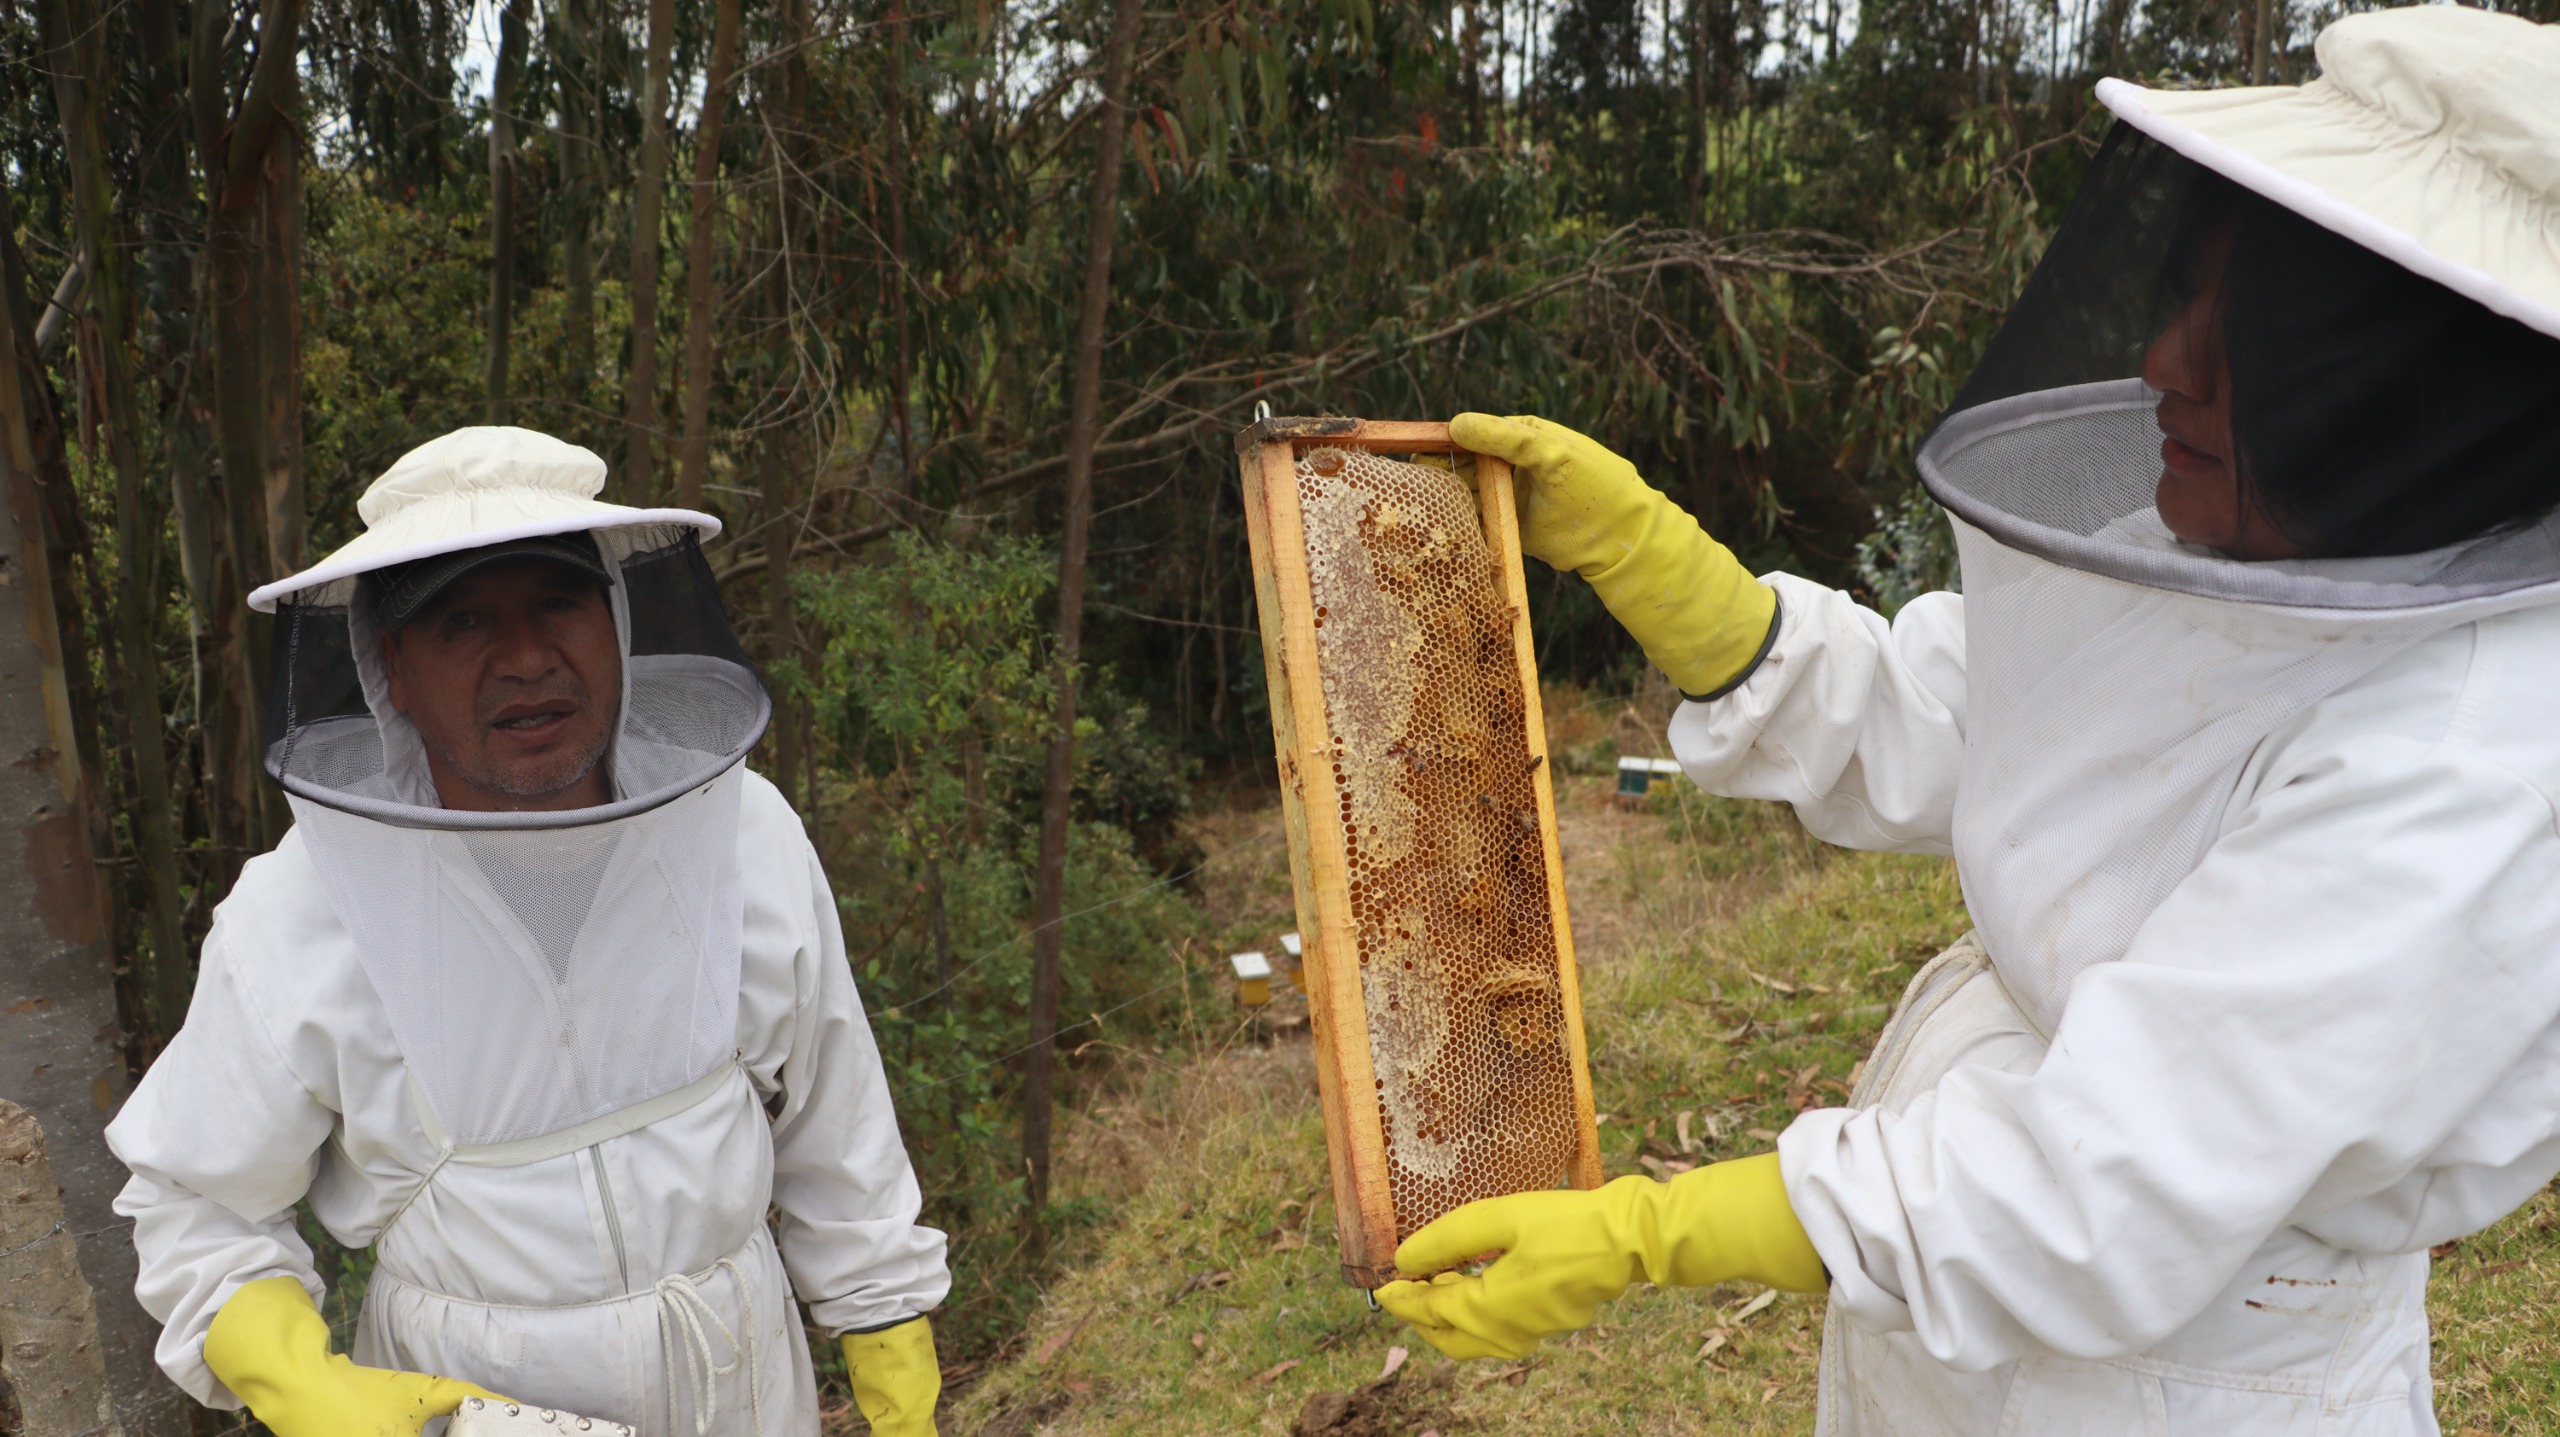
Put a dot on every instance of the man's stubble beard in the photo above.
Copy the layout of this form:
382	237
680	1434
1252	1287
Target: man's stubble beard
556	776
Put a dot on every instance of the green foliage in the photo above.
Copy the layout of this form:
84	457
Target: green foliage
392	349
929	657
1911	552
934	695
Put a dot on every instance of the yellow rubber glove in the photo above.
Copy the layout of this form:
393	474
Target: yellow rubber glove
1565	1253
897	1379
1701	616
269	1345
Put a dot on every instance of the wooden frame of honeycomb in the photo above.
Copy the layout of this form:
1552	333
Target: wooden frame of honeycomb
1422	827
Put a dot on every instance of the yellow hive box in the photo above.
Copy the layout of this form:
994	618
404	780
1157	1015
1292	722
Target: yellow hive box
1422	827
1253	979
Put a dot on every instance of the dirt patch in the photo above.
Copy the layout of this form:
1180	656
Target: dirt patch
1397	1406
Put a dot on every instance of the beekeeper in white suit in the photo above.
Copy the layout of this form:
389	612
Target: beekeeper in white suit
2245	738
543	998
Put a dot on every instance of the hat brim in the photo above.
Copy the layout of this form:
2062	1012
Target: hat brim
2417	202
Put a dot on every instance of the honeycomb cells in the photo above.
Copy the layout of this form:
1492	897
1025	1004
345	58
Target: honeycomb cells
1439	817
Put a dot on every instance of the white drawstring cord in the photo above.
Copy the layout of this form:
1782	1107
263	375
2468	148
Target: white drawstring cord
680	1302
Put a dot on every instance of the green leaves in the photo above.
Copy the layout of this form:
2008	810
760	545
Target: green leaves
936	646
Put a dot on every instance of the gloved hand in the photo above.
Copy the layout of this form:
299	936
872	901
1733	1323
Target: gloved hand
897	1379
1702	618
269	1345
1565	1253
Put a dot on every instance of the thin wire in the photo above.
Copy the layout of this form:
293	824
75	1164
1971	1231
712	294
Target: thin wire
49	1235
57	1231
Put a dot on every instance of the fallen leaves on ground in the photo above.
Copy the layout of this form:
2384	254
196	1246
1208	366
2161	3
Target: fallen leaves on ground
1200	1282
1057	1341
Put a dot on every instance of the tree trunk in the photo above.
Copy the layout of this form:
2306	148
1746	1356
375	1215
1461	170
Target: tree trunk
502	205
1693	129
894	273
229	708
61	526
57	310
232	147
166	209
240	543
782	617
50	1355
77	58
786	116
578	165
61	1030
1048	904
280	355
701	291
781	453
640	372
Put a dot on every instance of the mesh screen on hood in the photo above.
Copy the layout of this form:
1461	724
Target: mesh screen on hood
692	703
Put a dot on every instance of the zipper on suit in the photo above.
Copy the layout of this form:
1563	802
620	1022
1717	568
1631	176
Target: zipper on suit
612	1214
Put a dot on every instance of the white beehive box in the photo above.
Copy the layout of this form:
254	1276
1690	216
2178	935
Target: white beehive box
1636	775
1253	979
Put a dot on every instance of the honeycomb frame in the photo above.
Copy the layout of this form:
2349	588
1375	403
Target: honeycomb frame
1336	885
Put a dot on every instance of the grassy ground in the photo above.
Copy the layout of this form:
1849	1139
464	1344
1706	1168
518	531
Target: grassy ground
1734	972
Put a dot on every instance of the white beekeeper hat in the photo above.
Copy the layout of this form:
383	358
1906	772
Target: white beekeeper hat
2431	137
488	484
691	706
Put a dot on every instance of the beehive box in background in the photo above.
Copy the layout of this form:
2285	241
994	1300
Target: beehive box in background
1422	828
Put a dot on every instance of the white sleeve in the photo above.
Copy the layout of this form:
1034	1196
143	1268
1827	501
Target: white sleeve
2355	966
1857	722
847	1195
222	1139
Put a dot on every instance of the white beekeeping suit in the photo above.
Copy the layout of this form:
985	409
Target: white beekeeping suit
554	1067
2264	852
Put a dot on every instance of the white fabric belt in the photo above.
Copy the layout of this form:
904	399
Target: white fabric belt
575	1138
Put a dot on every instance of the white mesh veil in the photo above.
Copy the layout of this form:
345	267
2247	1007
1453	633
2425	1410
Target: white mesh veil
538	969
691	705
2120	679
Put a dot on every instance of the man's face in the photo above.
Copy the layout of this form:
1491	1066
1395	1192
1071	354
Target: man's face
2200	494
513	676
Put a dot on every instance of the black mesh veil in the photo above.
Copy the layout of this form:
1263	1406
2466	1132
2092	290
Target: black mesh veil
691	708
2359	409
2103	290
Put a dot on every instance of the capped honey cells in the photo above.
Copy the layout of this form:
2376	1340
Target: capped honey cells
1448	884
